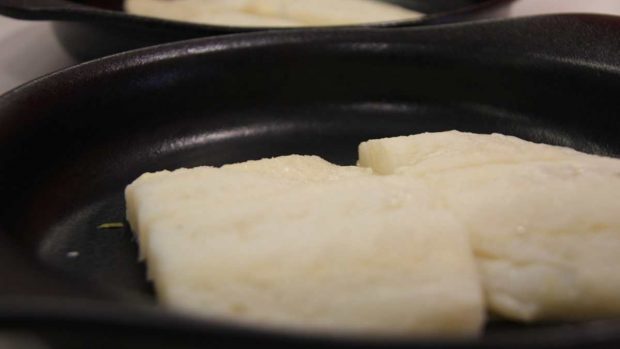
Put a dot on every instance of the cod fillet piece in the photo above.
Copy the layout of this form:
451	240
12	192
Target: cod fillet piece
544	220
301	244
272	13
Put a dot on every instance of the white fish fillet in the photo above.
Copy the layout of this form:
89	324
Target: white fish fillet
273	13
301	244
544	220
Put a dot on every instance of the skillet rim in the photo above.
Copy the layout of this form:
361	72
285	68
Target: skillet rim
235	41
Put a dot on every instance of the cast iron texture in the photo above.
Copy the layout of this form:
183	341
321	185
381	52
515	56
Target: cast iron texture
71	142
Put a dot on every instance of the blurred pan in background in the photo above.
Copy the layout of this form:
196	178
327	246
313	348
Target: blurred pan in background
94	28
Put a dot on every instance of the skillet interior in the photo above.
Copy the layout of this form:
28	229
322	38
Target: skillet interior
69	143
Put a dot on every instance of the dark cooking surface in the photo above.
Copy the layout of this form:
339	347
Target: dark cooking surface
69	144
94	28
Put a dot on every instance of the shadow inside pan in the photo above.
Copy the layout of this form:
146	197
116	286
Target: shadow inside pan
69	144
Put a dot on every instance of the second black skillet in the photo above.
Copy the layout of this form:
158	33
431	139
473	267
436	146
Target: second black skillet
94	28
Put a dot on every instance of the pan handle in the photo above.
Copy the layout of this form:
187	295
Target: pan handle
43	9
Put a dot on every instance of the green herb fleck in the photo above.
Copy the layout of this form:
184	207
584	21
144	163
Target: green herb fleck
112	225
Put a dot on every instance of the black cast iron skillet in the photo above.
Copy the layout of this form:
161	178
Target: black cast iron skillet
94	28
70	142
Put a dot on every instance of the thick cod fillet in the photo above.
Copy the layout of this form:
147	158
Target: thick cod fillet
193	185
544	220
301	244
273	13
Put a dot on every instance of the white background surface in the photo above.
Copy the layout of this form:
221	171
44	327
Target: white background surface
29	49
